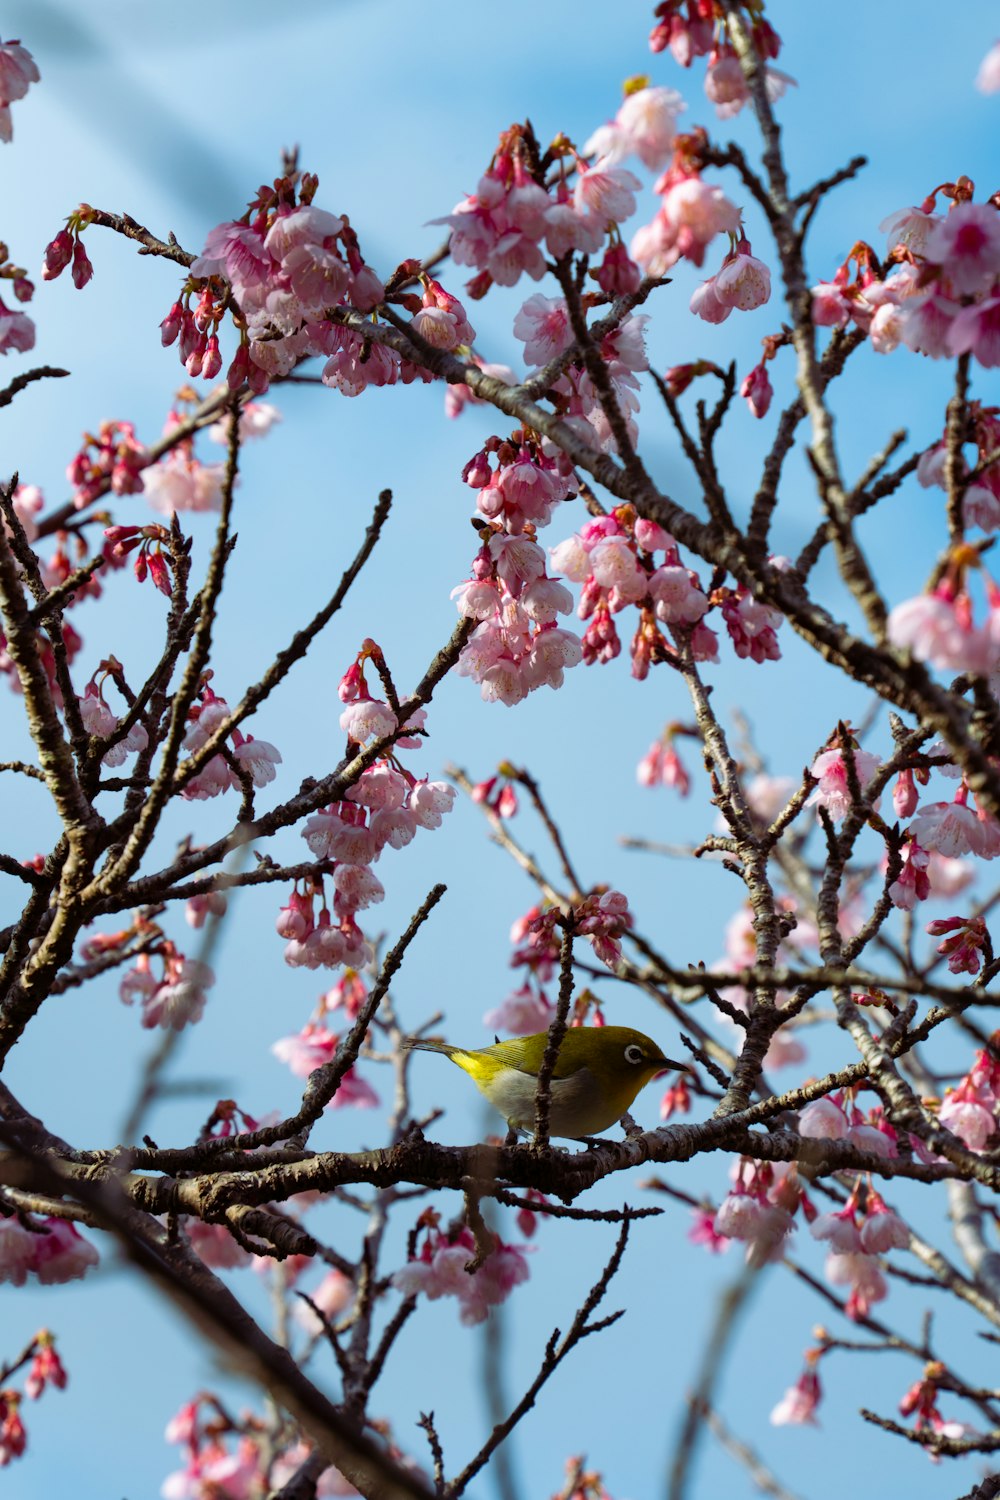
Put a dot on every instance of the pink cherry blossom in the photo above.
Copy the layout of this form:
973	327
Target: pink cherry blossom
524	1012
18	71
606	191
333	1296
61	1253
976	330
830	771
988	77
949	828
544	328
744	281
822	1119
367	719
966	246
863	1275
798	1405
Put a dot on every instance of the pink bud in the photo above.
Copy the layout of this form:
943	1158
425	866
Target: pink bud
158	572
58	254
905	795
212	362
82	268
171	325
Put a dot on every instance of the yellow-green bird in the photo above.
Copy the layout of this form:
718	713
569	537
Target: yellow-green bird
598	1072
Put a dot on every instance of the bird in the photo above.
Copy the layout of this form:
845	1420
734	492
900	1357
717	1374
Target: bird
597	1074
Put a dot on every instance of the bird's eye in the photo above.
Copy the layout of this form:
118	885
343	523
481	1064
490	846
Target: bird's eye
633	1054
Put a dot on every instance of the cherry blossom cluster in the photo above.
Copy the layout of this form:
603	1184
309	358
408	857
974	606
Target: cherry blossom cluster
46	1372
800	1402
112	459
18	71
51	1250
939	627
238	1459
172	998
662	766
544	327
516	646
256	759
501	229
180	481
316	1044
920	1402
760	1208
699	28
940	292
536	950
613	558
971	1110
17	330
743	282
100	720
981	493
497	793
439	1269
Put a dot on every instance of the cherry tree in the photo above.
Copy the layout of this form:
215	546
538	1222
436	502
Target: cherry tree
836	1123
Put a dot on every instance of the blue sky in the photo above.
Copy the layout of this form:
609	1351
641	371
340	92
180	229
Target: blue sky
176	121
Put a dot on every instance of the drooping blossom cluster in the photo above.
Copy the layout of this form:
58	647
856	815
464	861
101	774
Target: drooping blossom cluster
662	766
980	495
759	1208
528	1009
51	1250
237	1459
17	330
255	758
383	809
543	325
536	940
46	1372
971	1110
180	481
101	720
505	227
113	459
175	997
613	557
438	1269
18	71
516	646
761	1205
699	28
690	214
920	1402
316	1044
939	291
279	274
497	793
800	1402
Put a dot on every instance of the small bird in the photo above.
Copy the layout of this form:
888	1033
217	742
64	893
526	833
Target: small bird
598	1072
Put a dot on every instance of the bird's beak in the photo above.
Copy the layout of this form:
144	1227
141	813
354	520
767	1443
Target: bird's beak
670	1066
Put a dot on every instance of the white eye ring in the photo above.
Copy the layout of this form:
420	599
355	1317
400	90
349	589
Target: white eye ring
633	1054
